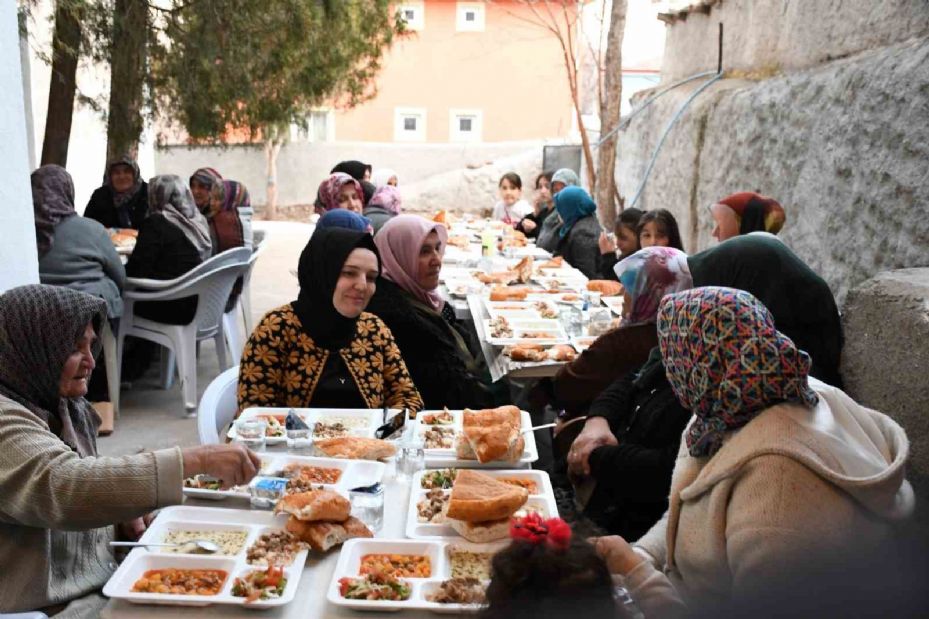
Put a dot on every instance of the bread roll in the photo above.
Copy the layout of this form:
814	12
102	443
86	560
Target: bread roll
606	287
356	448
315	505
321	536
502	293
477	497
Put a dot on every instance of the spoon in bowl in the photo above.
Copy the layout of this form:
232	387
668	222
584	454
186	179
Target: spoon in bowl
202	546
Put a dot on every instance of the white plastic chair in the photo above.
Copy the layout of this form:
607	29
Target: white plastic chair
30	615
234	337
217	406
211	283
110	358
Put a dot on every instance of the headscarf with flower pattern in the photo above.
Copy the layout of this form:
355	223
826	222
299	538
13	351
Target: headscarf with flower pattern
388	198
170	196
227	196
328	195
648	275
726	362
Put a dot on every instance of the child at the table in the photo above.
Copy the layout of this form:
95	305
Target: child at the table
512	207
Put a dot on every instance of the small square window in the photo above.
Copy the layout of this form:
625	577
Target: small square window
409	14
464	124
409	123
413	15
469	17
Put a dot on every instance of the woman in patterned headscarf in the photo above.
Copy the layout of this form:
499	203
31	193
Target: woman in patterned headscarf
122	201
776	469
174	238
228	212
60	497
744	213
339	191
385	204
202	183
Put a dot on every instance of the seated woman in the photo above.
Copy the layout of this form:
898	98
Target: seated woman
122	201
433	342
512	207
340	218
323	350
775	470
579	231
384	204
385	176
800	300
339	191
354	168
542	207
60	497
744	213
564	177
201	184
548	234
647	276
173	239
77	252
229	215
659	227
626	243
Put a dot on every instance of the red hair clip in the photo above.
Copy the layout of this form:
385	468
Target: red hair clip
535	529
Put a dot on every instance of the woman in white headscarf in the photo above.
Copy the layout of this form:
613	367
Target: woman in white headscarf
385	176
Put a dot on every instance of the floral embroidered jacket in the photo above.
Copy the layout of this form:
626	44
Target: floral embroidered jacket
281	364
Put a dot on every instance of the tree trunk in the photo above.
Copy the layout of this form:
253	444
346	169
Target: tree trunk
128	53
272	149
63	84
609	116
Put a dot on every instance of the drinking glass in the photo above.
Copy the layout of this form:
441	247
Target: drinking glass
251	433
410	459
368	505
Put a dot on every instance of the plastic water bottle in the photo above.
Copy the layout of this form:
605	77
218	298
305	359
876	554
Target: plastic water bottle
488	238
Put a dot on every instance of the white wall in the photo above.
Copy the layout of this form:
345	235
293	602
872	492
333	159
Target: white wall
19	262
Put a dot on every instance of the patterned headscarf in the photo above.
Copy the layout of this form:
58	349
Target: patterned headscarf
756	213
648	275
573	204
343	218
382	176
726	362
328	194
52	203
32	356
398	242
120	199
226	196
209	178
567	176
168	195
388	198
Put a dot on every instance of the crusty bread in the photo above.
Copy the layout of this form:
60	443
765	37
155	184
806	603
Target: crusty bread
315	505
523	270
321	536
481	532
508	414
555	263
502	277
503	293
477	497
464	447
562	352
524	353
491	434
606	287
356	448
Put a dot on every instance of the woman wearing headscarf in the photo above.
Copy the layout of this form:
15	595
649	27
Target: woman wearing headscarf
356	169
800	300
744	213
201	184
579	231
776	469
229	215
385	176
173	239
77	252
340	218
564	177
434	345
122	201
385	203
323	350
60	497
339	191
548	234
647	276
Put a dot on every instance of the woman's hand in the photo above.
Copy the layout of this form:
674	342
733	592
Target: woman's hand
596	433
233	464
527	225
607	244
618	555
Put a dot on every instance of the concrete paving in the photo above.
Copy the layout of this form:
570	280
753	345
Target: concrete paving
153	418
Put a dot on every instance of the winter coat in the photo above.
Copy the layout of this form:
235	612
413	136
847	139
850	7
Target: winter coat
580	246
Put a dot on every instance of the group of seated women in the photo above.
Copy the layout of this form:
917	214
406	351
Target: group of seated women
351	185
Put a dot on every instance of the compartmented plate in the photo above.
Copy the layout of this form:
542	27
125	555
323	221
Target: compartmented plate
544	309
440	556
446	457
357	421
541	500
546	332
235	530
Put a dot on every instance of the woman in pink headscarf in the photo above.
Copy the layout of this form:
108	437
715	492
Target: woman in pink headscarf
383	206
407	299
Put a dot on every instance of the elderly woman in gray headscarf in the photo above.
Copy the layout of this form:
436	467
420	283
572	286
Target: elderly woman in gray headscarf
548	236
173	239
60	497
122	201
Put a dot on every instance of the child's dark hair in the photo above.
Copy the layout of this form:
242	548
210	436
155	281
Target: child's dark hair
629	218
514	179
546	175
534	580
667	226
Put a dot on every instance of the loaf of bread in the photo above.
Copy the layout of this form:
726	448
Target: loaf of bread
315	505
481	532
321	536
478	497
606	287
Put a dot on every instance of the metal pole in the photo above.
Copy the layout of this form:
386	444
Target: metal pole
719	58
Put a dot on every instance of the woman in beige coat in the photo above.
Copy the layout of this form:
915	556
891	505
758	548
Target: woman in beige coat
776	470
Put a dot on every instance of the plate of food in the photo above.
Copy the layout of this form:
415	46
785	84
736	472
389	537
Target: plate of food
491	438
582	342
323	422
522	310
475	505
574	284
502	331
536	353
259	564
305	472
396	575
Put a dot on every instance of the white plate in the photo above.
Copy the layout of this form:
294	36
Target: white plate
445	458
519	310
437	551
543	499
368	418
575	284
521	327
201	518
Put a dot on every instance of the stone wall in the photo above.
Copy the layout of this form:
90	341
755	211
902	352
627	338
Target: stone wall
774	35
843	146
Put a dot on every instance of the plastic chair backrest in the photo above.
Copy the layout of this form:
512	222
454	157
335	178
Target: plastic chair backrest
212	290
217	406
